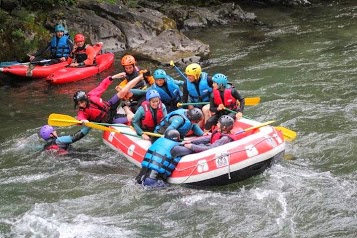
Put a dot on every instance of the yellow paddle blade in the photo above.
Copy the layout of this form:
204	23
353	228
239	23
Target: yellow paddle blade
62	120
252	101
289	135
152	134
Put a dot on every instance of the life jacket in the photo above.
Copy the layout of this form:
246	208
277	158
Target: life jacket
149	122
80	54
60	47
182	129
216	135
159	158
96	112
51	145
204	93
228	100
172	97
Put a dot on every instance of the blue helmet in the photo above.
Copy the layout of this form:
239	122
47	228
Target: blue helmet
220	79
152	94
46	131
59	28
160	74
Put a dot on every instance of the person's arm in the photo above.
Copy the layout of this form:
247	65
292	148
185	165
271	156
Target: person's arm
90	56
129	85
175	122
203	147
136	122
100	89
41	51
240	98
197	130
66	140
212	105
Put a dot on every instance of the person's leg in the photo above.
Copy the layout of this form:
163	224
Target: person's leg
179	151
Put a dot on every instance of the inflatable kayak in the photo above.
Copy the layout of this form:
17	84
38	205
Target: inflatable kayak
254	151
39	71
72	74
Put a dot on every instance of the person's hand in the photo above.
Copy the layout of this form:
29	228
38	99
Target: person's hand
73	65
84	122
188	146
239	115
62	59
119	75
145	137
185	142
32	57
220	107
190	107
206	133
147	73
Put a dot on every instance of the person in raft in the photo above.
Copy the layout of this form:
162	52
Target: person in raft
82	55
149	114
225	100
158	163
60	144
222	135
59	47
131	71
93	108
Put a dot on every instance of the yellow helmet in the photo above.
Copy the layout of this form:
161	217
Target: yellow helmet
194	70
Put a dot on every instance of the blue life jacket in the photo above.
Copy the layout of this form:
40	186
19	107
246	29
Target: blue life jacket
60	48
182	129
172	97
204	93
159	158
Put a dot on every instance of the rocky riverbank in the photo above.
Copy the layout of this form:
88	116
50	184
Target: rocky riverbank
152	31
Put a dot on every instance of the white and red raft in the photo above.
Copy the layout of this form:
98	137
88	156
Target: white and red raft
255	151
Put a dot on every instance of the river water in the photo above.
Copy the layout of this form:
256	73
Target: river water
302	63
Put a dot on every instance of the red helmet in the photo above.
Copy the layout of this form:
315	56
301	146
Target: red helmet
128	60
79	38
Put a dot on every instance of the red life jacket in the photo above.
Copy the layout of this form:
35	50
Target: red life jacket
51	145
228	100
148	122
97	111
216	135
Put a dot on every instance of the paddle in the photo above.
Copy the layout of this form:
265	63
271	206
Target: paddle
248	102
178	70
254	127
65	120
288	134
34	62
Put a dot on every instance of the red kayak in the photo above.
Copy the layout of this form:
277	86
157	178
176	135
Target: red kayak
72	74
39	71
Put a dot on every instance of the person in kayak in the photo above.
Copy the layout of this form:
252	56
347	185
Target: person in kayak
149	114
224	96
81	55
60	144
222	135
59	47
158	163
131	71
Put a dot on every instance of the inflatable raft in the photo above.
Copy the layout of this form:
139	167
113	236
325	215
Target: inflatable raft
39	71
72	74
254	151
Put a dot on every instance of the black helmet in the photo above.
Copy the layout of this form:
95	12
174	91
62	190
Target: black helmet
226	123
80	96
172	135
194	114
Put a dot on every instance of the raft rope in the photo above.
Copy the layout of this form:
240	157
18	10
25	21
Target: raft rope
194	167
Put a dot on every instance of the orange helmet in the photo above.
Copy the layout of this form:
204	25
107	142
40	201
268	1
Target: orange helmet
79	38
128	60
